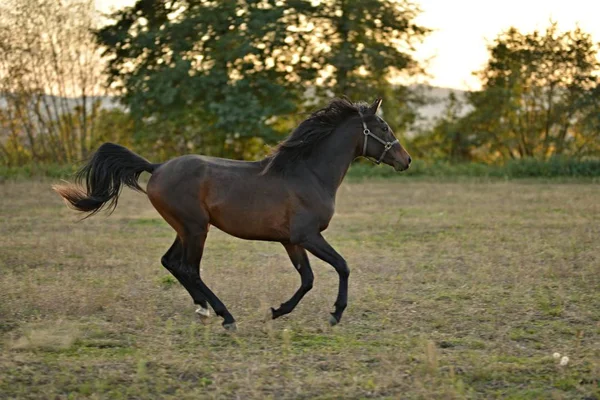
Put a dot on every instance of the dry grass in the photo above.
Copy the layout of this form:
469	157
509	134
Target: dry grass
460	290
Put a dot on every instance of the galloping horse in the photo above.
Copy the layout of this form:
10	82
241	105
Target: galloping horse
288	197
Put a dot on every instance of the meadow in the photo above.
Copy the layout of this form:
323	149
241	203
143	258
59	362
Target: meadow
459	289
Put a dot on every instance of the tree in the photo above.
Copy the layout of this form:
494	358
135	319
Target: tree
539	96
215	71
367	43
50	80
449	138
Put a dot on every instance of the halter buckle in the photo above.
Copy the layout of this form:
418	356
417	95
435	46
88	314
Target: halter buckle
386	145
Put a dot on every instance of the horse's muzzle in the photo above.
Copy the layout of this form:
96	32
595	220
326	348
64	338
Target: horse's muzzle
402	165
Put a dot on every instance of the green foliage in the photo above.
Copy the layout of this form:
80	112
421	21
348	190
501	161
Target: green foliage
448	139
37	171
167	281
364	40
540	98
198	75
114	125
555	167
522	168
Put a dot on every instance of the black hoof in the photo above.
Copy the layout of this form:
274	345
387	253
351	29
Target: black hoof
231	327
269	315
333	321
276	313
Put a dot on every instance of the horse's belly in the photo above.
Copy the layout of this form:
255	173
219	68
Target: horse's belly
252	221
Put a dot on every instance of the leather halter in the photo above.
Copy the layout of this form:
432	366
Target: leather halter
367	133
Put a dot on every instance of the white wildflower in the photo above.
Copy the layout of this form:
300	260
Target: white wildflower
556	356
564	361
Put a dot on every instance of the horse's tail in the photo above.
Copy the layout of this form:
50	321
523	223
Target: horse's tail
109	168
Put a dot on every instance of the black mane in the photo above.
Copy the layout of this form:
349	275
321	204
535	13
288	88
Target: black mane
310	132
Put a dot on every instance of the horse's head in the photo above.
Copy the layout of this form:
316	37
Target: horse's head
379	143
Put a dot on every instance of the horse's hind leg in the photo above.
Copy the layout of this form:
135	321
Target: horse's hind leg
172	262
299	258
193	247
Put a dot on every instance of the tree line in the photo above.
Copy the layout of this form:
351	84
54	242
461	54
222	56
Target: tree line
540	98
231	79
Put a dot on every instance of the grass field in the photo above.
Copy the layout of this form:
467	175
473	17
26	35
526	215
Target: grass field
458	290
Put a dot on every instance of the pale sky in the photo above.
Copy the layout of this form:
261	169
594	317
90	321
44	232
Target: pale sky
462	29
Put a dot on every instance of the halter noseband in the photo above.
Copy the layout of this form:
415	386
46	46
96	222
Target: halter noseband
367	133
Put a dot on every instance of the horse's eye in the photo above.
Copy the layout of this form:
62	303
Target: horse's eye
385	128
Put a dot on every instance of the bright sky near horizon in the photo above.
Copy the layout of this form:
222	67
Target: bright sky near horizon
463	28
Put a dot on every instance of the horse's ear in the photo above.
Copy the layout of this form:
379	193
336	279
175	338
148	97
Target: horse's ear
373	108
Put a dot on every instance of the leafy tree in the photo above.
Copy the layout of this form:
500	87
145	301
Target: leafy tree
115	125
208	72
449	138
367	43
539	96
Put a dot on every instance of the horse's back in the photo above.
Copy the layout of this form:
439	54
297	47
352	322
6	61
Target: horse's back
232	195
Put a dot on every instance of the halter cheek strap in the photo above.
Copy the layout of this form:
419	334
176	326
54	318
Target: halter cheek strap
367	133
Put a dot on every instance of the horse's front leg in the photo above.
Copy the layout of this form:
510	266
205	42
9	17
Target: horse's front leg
300	261
318	246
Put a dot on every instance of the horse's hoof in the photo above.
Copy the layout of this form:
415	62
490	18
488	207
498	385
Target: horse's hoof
202	312
232	327
333	321
269	315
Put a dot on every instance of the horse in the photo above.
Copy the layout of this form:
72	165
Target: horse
288	197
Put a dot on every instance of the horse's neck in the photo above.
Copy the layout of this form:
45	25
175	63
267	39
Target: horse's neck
331	160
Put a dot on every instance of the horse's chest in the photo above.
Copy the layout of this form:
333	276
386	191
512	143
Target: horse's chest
325	216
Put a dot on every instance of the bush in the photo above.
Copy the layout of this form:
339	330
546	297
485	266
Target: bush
557	167
37	171
523	168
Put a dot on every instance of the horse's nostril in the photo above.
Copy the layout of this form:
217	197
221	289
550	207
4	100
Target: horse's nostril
409	160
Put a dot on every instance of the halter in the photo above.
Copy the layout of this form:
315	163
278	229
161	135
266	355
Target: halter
367	133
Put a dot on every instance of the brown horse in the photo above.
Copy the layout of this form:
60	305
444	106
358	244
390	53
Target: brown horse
288	197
